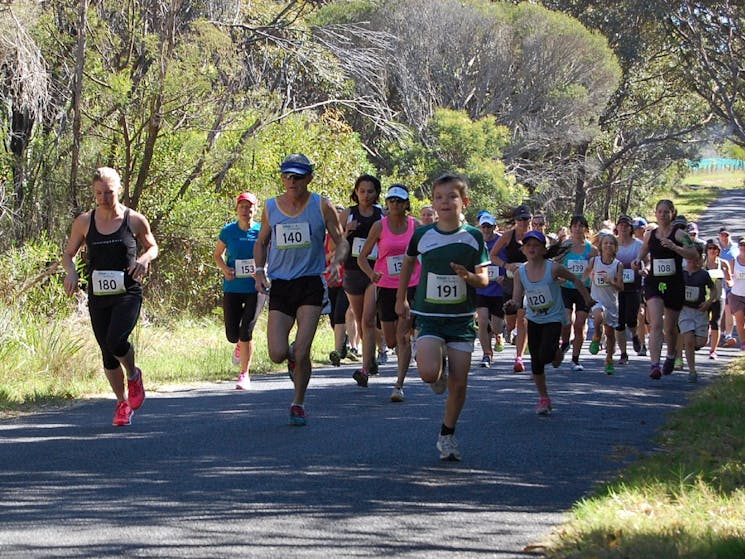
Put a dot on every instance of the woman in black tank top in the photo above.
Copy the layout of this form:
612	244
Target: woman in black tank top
111	234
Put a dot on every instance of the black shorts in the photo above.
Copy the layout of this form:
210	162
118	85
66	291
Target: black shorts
493	303
715	314
240	313
339	305
386	302
287	296
628	309
670	289
355	282
573	299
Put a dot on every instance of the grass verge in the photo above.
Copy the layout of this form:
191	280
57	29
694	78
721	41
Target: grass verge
687	501
700	189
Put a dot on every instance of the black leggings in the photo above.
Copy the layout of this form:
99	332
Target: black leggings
628	309
339	305
113	323
543	341
240	313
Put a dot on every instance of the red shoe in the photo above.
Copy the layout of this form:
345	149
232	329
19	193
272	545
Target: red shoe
122	414
136	391
519	366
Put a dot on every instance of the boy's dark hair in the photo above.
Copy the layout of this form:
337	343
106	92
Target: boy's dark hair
460	182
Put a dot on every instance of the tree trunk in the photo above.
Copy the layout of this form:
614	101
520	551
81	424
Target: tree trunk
77	94
580	187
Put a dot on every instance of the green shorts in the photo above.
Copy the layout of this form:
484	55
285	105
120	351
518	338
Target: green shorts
453	331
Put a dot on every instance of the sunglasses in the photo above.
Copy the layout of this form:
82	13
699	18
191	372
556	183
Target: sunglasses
524	218
539	223
712	248
487	225
293	176
396	200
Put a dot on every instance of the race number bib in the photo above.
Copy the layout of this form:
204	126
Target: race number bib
577	267
539	298
108	282
600	277
739	275
692	293
358	243
716	273
244	268
509	273
628	275
293	235
493	272
663	266
447	290
394	264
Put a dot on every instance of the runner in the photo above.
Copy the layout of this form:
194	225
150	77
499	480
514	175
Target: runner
728	253
427	215
510	260
575	256
289	252
111	233
737	296
490	300
241	304
392	235
538	280
339	303
357	221
721	272
454	263
693	321
667	246
606	280
629	299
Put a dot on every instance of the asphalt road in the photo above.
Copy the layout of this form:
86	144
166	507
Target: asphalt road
214	472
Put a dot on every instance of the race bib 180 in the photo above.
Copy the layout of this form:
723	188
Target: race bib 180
108	282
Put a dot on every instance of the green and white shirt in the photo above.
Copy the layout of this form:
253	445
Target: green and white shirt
441	292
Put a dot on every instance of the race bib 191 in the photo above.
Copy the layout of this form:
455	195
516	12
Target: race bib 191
108	282
293	235
663	266
244	268
448	290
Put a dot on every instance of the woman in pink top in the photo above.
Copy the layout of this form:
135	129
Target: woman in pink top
392	235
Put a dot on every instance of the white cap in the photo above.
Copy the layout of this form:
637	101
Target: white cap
397	192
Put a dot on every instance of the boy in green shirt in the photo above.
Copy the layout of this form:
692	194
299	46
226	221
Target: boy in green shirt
454	263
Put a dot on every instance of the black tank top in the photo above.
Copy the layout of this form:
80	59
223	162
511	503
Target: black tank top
658	252
117	252
364	223
513	250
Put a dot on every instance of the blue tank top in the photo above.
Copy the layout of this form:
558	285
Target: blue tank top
494	289
296	246
543	298
577	264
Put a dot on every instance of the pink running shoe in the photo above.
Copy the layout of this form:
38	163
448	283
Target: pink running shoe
136	391
237	355
122	414
244	382
544	406
519	366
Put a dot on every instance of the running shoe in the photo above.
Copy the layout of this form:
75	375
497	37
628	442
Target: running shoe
655	372
576	367
713	356
335	358
485	362
291	361
397	395
595	346
353	354
729	341
382	357
135	391
373	369
519	365
742	347
565	346
237	355
122	414
441	384
361	377
637	343
244	382
544	406
643	352
498	345
668	366
609	369
624	360
297	416
448	447
692	378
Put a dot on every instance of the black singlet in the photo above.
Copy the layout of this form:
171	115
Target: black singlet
364	224
513	250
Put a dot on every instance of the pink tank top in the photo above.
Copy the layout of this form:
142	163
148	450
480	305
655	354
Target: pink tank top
391	252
